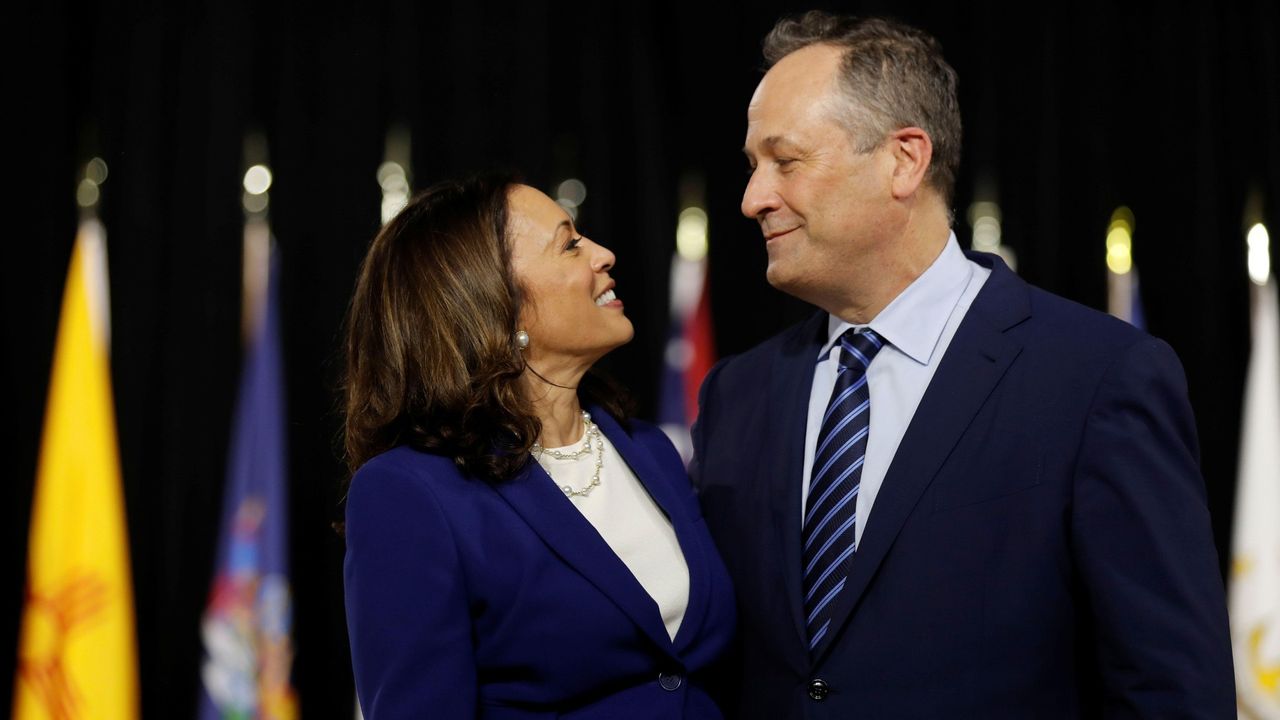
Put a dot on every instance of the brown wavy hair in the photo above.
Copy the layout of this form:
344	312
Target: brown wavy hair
430	348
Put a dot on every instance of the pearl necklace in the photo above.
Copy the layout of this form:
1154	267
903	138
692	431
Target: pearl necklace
591	433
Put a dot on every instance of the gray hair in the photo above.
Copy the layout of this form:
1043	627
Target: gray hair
892	76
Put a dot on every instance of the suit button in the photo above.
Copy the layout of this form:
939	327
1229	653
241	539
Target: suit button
818	689
670	681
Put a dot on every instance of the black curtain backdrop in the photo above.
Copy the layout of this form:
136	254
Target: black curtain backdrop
1070	109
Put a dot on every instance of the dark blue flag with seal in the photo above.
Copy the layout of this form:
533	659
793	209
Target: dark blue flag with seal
247	624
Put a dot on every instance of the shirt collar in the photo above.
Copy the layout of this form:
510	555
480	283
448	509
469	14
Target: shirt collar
914	320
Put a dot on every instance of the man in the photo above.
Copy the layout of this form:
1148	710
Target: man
949	493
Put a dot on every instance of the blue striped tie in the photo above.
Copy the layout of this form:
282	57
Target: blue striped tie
831	510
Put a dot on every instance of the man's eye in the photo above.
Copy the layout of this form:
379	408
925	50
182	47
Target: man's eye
784	162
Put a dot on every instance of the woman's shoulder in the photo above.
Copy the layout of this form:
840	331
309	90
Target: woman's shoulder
407	465
405	481
404	459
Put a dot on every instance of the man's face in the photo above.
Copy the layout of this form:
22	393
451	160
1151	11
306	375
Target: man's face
821	205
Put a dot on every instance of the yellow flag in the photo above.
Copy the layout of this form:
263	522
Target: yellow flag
77	654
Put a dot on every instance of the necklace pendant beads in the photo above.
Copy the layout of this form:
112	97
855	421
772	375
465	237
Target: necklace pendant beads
591	441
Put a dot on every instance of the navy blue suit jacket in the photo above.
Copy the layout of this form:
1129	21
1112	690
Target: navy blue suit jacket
1040	547
468	599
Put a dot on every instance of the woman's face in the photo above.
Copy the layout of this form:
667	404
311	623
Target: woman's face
570	310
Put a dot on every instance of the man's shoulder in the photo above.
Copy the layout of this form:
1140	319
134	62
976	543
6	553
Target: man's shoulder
1056	319
1009	303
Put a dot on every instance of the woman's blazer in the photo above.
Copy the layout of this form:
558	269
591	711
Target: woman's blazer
468	599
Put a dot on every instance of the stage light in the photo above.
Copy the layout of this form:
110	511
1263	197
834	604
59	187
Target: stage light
394	182
257	179
1120	241
1259	242
391	176
984	218
691	234
87	193
571	193
986	234
96	170
1122	217
1119	250
255	202
570	210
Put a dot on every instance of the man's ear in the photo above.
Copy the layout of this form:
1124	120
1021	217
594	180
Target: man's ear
912	151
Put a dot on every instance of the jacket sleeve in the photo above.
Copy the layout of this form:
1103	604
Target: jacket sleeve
407	610
1144	547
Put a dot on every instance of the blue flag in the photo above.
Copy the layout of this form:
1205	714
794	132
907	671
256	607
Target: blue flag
247	624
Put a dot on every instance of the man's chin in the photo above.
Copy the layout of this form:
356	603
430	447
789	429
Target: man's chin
779	277
798	285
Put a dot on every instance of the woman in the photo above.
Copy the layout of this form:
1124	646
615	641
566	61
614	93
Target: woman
513	549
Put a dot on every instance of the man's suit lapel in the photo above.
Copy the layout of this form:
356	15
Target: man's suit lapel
978	356
792	381
537	499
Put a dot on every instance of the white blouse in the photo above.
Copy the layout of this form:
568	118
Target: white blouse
629	520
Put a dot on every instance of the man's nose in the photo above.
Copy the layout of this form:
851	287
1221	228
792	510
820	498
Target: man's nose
760	196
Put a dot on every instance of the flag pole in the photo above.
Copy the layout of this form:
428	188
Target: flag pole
1122	276
248	622
690	350
1253	593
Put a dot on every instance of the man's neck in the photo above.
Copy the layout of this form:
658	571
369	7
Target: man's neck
876	279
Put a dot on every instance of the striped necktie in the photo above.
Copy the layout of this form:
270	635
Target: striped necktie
830	513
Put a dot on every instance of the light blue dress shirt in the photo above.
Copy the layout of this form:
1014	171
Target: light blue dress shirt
917	326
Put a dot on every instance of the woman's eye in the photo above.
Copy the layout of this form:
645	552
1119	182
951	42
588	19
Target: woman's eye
573	243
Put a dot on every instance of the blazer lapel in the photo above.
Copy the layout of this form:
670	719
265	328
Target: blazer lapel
976	359
664	492
792	380
537	499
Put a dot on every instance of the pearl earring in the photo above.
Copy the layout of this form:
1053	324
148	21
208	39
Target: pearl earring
522	339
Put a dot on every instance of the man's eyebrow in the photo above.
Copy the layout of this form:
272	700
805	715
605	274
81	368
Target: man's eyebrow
769	142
